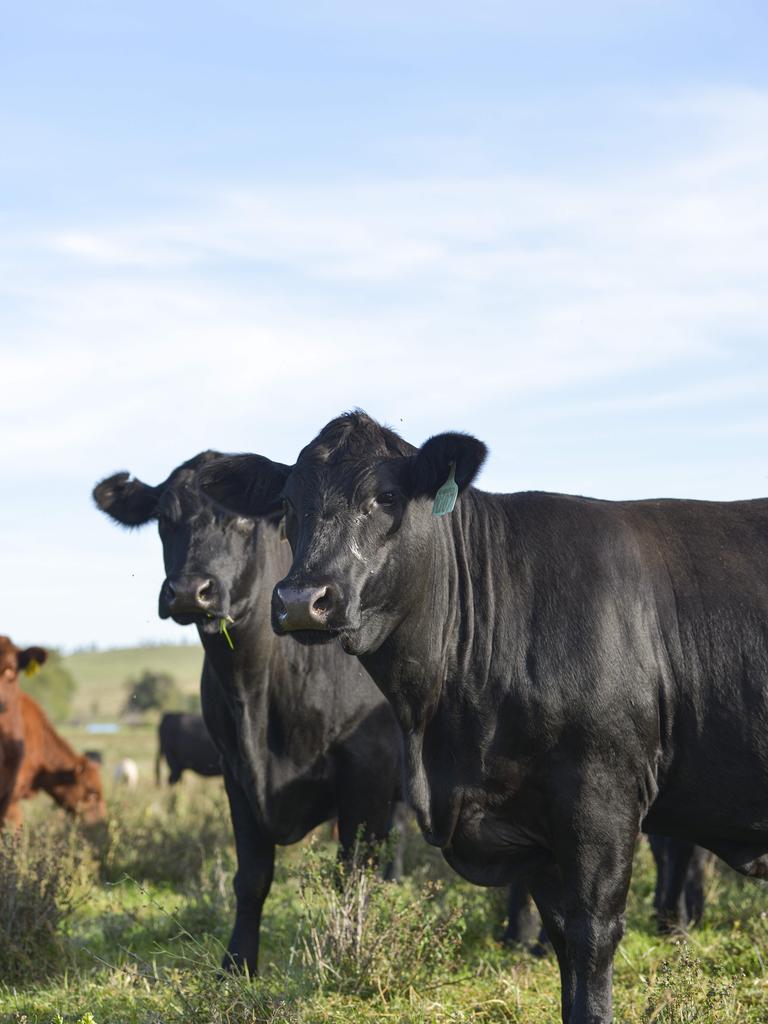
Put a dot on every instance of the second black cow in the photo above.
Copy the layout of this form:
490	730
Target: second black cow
303	733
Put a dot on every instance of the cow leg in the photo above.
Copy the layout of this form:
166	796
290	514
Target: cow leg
694	884
595	834
365	809
673	859
522	926
547	890
395	867
174	770
13	815
253	879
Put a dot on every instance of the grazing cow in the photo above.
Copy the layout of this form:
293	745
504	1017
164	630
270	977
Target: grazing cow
126	773
566	671
50	764
11	724
185	742
304	735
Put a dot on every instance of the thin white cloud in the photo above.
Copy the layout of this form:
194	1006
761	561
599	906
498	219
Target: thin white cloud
528	309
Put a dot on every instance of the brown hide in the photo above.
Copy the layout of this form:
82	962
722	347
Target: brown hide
11	722
49	763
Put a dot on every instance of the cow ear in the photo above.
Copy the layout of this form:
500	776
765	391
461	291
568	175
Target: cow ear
432	464
248	485
127	501
30	659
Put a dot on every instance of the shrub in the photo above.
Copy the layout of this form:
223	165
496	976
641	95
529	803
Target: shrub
359	935
44	875
165	840
152	690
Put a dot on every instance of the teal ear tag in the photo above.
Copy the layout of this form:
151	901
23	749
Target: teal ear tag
445	499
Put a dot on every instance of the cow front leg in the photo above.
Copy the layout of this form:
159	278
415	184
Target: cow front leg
594	849
547	890
253	879
14	816
366	809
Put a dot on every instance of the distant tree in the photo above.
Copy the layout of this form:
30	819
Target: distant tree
53	686
152	690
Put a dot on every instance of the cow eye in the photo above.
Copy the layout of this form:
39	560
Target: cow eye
386	499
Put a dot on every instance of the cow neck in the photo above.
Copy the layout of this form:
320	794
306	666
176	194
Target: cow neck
56	756
434	644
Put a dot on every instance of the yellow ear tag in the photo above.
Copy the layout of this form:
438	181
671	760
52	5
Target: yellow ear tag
33	667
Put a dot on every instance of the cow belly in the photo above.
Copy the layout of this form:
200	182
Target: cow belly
717	785
491	846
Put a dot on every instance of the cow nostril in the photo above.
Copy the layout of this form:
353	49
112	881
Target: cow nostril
322	603
205	592
280	608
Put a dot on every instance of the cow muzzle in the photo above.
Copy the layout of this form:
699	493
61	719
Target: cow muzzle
185	596
297	607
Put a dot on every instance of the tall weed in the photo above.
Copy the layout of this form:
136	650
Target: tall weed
360	935
45	873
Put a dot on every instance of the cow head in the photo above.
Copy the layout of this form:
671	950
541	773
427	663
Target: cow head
206	551
14	660
358	514
79	791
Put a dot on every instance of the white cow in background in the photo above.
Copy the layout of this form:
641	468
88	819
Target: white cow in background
126	773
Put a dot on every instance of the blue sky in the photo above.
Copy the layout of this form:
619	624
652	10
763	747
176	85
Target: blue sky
221	225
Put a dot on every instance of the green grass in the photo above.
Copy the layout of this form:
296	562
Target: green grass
144	950
101	675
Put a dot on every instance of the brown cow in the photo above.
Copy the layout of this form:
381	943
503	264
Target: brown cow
11	725
49	763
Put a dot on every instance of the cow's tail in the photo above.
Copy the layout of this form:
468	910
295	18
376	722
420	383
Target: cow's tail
158	765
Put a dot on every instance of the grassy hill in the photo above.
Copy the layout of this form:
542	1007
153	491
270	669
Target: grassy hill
101	675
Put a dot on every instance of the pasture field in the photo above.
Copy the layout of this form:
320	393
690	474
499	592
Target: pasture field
100	675
131	932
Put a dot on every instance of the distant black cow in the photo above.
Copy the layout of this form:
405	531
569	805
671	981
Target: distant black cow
185	743
566	671
304	734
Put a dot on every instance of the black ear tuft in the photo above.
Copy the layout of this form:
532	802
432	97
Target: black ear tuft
248	485
431	464
37	654
129	502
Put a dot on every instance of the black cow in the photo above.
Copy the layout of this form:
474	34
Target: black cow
566	671
185	743
303	734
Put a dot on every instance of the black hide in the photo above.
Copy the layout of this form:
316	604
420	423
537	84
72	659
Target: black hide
566	671
304	735
186	744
